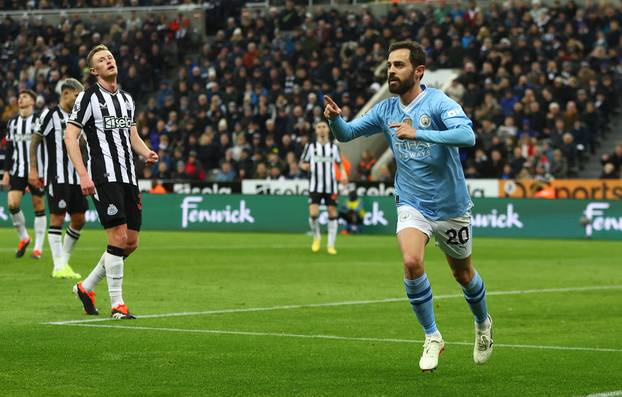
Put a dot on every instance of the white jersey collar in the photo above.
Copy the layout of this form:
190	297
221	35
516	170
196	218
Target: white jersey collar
417	99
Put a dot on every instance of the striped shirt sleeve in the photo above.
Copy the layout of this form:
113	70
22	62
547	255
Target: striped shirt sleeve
82	111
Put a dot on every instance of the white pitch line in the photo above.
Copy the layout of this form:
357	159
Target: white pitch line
614	393
335	337
344	303
193	247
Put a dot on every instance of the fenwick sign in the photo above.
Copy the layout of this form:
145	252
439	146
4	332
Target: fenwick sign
567	218
192	213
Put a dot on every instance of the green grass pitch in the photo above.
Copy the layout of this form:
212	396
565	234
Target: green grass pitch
560	336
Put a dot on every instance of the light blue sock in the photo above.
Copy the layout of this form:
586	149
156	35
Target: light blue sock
419	294
475	295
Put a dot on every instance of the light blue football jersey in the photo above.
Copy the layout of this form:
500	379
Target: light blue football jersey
429	175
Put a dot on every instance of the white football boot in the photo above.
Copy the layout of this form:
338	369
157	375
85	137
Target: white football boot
432	349
483	344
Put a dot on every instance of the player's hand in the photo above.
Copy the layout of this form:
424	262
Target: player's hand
404	131
5	179
331	110
87	185
33	178
152	158
344	179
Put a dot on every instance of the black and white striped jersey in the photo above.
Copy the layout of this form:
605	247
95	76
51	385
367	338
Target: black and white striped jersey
57	166
18	137
322	159
106	118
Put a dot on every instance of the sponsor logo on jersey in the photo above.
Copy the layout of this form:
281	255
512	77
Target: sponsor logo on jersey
112	210
414	149
454	112
112	122
26	137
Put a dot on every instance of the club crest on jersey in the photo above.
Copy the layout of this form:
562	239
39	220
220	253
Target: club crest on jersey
62	204
425	121
112	210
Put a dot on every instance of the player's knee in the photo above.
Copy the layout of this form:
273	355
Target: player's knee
56	220
78	221
462	276
414	263
120	239
13	208
131	246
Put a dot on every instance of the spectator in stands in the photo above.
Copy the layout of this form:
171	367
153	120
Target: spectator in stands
225	173
569	150
609	172
365	166
163	171
193	169
614	158
559	165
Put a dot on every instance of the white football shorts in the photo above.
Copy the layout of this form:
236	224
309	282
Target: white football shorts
452	235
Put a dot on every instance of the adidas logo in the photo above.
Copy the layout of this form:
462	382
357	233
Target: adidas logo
62	204
112	210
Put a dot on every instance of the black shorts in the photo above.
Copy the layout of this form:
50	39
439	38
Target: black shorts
118	204
327	198
19	183
63	197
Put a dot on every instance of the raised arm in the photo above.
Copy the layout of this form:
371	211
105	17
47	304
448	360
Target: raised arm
459	128
368	124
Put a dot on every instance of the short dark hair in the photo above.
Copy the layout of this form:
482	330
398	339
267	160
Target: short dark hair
29	92
417	53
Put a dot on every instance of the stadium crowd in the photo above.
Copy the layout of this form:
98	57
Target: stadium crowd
540	87
63	4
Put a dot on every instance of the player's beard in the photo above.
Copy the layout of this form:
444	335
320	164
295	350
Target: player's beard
402	86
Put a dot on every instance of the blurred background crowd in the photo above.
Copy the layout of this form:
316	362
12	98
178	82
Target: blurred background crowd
541	87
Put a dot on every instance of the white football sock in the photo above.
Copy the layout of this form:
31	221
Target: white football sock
69	241
114	275
314	224
332	232
19	221
40	226
97	274
56	246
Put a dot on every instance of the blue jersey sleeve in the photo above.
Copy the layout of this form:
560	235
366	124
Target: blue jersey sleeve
459	130
368	124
